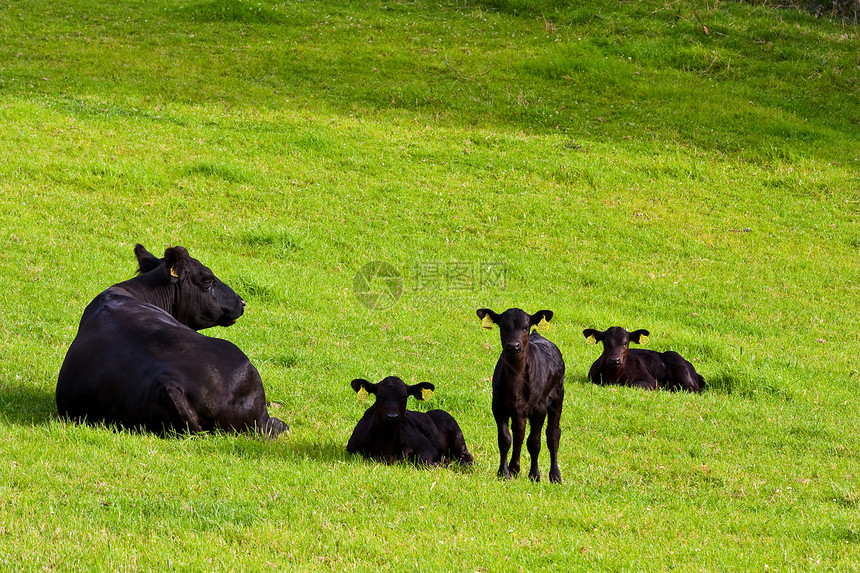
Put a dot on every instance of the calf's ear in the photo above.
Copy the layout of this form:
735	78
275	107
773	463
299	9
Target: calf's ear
488	318
540	320
640	336
363	387
592	336
421	391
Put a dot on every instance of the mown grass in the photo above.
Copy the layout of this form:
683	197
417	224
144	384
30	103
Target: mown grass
611	162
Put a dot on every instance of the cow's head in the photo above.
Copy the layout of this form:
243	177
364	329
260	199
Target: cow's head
615	341
514	326
198	299
391	396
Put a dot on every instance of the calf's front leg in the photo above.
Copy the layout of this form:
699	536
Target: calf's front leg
533	444
519	428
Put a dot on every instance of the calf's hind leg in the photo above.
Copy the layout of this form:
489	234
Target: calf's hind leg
553	437
504	447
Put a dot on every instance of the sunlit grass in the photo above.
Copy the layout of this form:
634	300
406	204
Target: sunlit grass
610	162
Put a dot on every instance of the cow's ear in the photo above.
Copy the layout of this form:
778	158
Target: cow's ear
640	336
592	336
421	391
146	261
540	320
176	259
362	387
488	318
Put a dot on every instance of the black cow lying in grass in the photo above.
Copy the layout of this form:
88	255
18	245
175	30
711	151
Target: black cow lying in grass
138	362
648	369
528	384
389	432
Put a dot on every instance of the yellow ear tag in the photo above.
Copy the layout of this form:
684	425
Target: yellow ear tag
426	394
173	273
487	322
643	339
362	394
542	326
591	339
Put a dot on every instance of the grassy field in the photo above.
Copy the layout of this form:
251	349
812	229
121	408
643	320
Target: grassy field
691	168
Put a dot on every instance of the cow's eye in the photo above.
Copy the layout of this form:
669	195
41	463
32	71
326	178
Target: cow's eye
208	282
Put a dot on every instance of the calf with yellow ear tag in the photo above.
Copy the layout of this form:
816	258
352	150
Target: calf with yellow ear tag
528	385
646	369
389	432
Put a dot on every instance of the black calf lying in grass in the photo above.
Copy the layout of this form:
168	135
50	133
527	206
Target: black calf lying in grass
646	369
528	384
389	432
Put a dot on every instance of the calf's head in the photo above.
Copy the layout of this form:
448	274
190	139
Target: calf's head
514	326
198	299
615	341
391	395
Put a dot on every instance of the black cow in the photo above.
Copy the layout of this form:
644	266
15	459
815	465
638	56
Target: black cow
648	369
389	432
138	362
528	384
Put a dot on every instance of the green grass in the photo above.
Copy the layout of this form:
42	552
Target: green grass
609	161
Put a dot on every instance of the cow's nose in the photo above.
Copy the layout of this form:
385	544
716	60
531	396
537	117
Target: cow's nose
615	361
514	346
392	417
244	304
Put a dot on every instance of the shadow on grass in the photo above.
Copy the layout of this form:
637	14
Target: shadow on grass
730	384
722	383
256	447
26	405
313	451
320	451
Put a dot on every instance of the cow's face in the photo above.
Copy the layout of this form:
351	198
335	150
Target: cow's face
514	326
391	396
616	342
200	299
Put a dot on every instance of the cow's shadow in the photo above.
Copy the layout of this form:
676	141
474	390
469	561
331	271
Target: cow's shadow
284	448
26	405
319	451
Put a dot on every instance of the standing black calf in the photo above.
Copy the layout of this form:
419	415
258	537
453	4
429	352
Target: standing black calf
389	432
646	369
528	384
137	360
